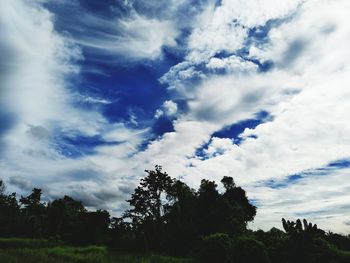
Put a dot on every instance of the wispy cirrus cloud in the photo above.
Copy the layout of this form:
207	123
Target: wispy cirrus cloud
65	87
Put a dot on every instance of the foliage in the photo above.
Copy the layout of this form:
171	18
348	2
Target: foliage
165	210
166	216
215	248
14	243
38	252
249	250
64	219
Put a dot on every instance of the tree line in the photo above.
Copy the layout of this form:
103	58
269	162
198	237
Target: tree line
167	216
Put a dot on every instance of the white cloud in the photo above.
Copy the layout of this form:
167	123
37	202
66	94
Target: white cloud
218	146
224	28
322	199
37	105
232	64
169	108
143	37
135	37
306	93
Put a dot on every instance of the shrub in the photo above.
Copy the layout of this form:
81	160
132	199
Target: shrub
215	248
249	250
26	243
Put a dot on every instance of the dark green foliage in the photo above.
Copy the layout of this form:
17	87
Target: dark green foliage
10	217
14	243
249	250
149	206
275	241
43	251
180	223
340	241
220	247
34	215
164	211
165	216
215	248
63	219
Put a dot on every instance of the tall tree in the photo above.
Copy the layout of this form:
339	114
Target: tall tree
34	212
149	203
238	205
2	187
9	213
64	218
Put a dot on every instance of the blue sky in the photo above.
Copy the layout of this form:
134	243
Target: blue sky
94	92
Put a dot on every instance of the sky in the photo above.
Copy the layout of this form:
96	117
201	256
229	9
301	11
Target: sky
92	93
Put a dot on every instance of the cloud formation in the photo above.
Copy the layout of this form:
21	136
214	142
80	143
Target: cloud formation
225	65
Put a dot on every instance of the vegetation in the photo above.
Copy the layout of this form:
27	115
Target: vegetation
166	217
32	251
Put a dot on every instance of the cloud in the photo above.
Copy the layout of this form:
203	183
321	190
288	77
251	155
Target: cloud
231	64
222	80
169	108
121	32
20	182
321	198
133	38
224	28
143	38
40	108
305	92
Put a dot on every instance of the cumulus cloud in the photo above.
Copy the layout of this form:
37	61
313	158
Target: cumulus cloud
169	108
231	64
305	92
221	80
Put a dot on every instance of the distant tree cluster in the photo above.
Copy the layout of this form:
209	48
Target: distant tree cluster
167	216
63	219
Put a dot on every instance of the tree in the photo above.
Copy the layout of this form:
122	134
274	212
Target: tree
180	219
307	243
207	217
9	213
34	213
64	218
2	188
149	202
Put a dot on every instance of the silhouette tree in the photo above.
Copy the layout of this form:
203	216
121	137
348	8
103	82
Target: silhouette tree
34	214
149	202
180	219
167	216
235	209
307	243
207	218
64	220
9	213
2	187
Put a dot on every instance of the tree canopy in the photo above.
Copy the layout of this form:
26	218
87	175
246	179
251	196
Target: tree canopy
166	215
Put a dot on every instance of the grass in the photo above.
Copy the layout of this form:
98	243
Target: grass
43	251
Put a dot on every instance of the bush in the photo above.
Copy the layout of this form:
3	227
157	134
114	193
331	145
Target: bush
249	250
26	243
215	248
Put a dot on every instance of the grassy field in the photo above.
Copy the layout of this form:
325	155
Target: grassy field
43	251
